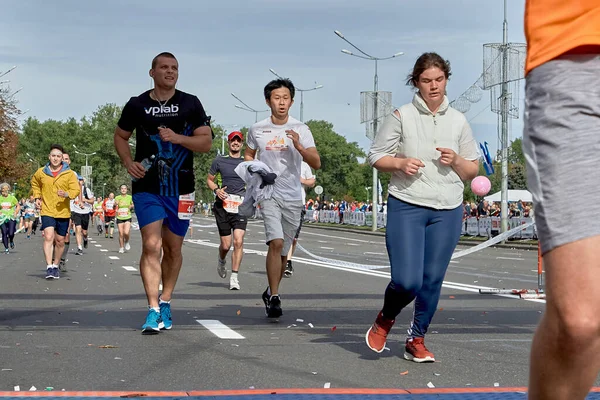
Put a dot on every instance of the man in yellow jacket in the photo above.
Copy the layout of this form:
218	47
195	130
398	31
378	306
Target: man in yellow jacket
54	185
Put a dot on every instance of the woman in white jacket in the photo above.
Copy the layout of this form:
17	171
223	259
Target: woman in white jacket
430	149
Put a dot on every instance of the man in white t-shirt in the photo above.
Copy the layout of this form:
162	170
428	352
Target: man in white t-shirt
283	143
81	208
307	179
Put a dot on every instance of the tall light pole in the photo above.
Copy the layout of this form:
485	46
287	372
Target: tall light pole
369	57
248	108
86	163
103	188
84	154
301	93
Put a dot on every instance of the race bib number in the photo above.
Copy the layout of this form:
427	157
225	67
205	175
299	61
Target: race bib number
185	208
232	203
123	212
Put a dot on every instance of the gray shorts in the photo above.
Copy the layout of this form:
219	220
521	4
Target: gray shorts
561	143
281	219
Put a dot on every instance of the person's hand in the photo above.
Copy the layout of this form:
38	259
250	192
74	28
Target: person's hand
167	135
62	193
448	156
221	193
410	166
38	203
136	170
295	137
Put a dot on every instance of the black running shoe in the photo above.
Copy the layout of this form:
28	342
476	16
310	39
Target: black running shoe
79	252
274	310
265	298
12	245
289	270
62	267
85	243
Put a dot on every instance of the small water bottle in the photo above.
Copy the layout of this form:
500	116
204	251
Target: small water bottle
146	163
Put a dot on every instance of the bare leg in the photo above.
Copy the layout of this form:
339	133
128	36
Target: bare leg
275	264
224	246
150	267
238	249
171	262
564	354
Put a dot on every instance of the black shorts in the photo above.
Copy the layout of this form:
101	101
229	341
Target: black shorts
302	214
226	222
108	219
82	220
122	221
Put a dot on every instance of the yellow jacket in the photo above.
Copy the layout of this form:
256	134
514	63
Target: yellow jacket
46	186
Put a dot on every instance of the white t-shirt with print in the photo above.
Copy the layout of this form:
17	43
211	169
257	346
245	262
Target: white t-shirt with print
278	152
305	173
82	208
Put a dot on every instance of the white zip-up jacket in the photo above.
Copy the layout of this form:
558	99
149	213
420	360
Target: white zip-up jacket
417	134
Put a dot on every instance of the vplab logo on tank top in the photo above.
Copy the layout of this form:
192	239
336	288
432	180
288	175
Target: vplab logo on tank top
163	111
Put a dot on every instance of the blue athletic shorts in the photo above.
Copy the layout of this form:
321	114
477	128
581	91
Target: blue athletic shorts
150	208
60	225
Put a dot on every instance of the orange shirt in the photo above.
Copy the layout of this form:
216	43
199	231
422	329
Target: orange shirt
554	27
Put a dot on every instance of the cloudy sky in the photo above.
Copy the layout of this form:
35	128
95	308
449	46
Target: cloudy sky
73	55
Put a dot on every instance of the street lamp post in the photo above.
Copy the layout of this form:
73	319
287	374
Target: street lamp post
84	154
248	108
86	162
369	57
301	93
103	188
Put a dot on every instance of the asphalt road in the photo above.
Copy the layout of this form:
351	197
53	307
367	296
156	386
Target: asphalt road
82	332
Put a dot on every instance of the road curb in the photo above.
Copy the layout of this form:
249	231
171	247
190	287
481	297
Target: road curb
463	242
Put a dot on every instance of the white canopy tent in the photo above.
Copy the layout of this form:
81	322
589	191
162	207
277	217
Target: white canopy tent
513	195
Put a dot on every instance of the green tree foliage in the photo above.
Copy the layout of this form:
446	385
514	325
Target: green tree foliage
341	175
12	170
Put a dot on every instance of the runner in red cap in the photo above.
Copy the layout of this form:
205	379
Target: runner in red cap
228	198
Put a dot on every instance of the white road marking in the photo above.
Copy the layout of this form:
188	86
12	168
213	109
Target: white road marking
93	241
380	274
113	257
327	248
103	250
98	245
219	329
352	244
129	268
377	254
510	258
304	232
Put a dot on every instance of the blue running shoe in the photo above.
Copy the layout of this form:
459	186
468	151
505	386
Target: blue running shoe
49	274
152	325
165	316
55	273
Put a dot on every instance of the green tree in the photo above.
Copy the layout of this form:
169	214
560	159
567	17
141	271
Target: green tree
340	174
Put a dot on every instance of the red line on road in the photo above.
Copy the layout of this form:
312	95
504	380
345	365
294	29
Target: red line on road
247	392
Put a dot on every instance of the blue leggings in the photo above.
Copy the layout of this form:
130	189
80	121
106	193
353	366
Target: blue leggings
420	242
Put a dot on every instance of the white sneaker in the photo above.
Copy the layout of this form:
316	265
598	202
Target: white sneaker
121	250
221	270
127	246
234	284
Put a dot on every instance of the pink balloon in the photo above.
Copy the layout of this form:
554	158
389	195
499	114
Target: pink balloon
481	185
